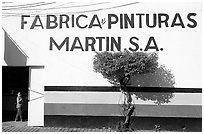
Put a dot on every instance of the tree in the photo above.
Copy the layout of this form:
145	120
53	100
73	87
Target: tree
119	67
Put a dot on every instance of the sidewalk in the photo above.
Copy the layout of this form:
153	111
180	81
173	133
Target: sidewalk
13	126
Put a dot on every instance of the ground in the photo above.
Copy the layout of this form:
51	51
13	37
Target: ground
12	126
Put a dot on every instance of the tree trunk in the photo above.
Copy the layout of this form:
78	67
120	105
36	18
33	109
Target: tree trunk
129	108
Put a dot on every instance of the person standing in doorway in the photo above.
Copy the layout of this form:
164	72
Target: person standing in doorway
19	104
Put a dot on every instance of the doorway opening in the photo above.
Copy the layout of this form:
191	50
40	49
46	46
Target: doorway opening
14	80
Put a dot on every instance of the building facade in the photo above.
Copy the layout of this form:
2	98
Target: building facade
53	66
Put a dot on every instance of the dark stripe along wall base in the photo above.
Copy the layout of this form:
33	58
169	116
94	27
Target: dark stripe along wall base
139	123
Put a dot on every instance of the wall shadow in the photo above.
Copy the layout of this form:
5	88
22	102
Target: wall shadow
162	77
13	54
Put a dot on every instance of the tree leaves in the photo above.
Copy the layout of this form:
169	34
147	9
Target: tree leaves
116	66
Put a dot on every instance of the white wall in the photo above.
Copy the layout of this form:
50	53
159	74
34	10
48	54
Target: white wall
36	97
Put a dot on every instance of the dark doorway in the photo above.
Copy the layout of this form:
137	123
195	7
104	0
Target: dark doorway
14	80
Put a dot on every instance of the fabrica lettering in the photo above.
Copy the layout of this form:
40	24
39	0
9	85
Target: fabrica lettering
121	21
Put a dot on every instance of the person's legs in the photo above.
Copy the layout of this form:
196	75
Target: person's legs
17	114
20	114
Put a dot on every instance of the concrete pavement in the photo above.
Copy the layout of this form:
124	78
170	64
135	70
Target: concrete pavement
13	126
